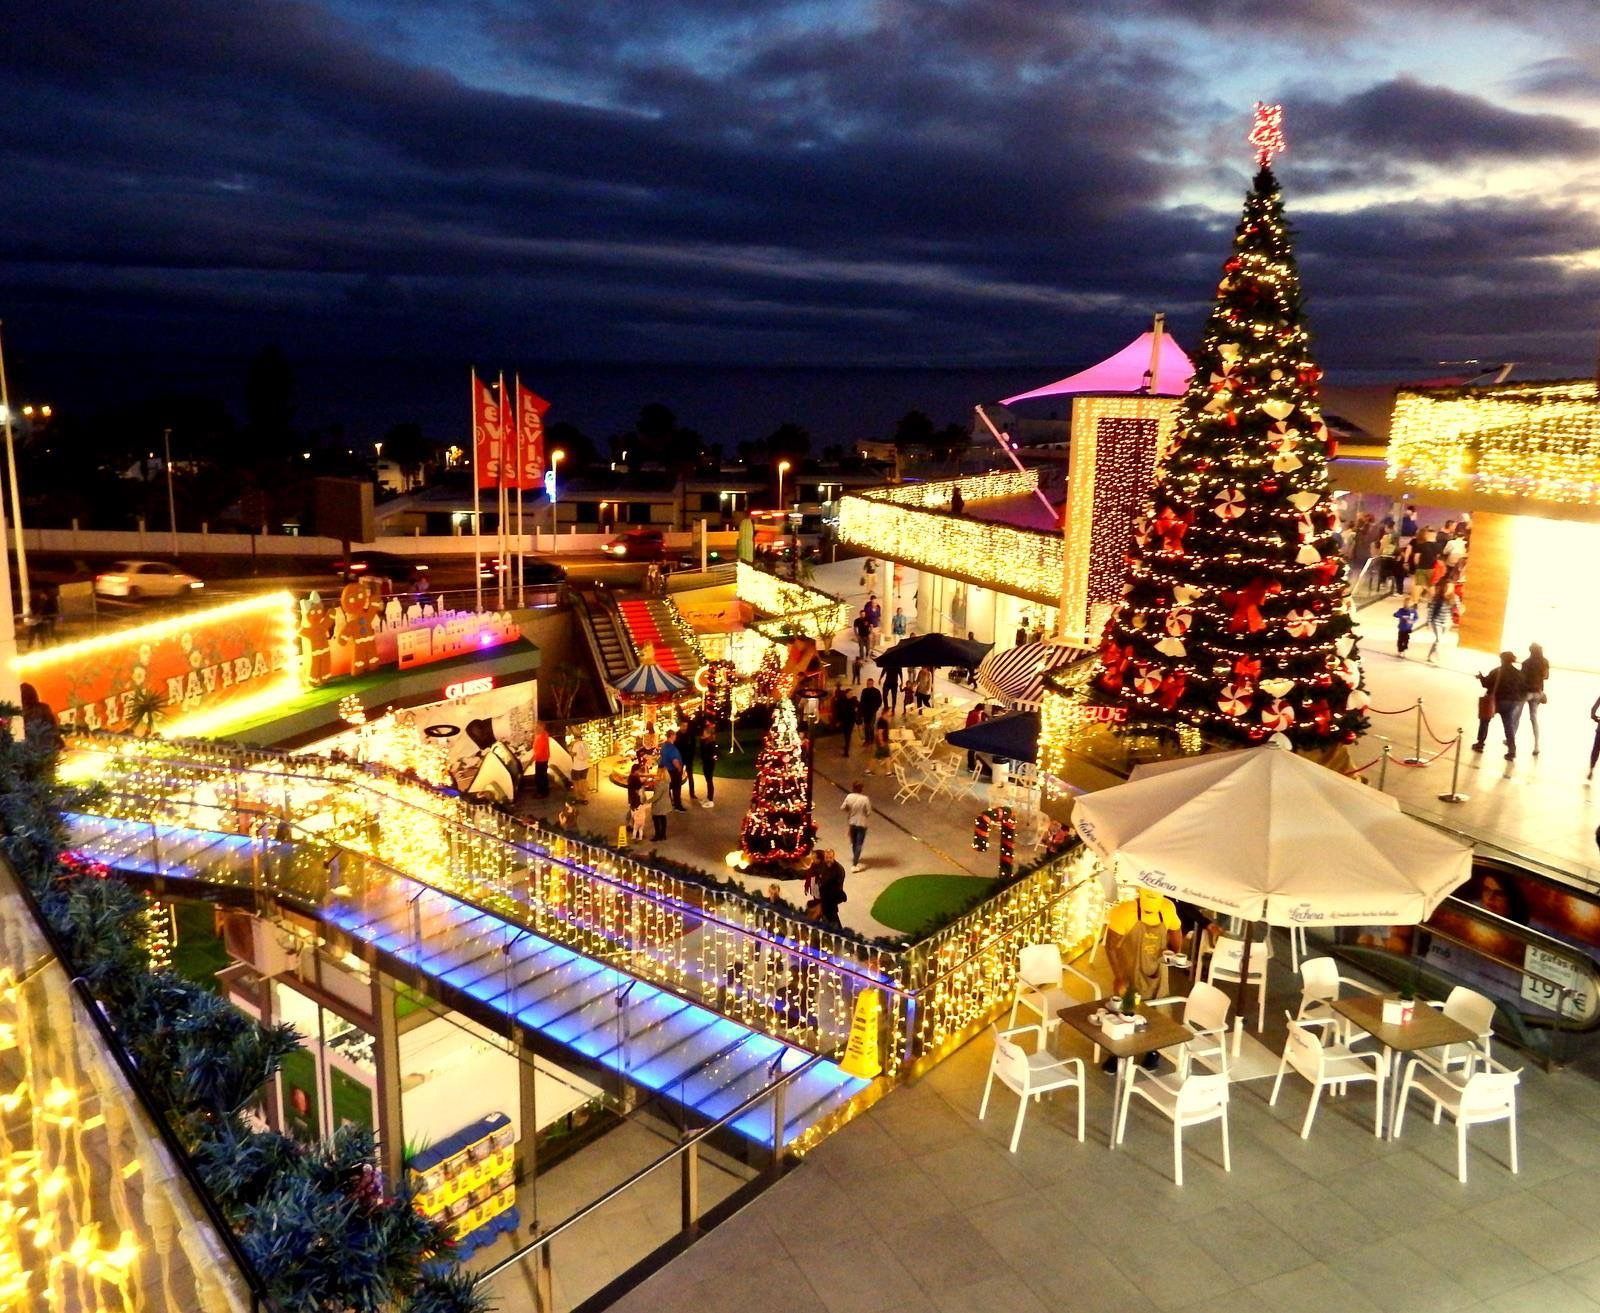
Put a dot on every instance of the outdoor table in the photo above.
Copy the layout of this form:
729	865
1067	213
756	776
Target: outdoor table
1161	1032
1428	1029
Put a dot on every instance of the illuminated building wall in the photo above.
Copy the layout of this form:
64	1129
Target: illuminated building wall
1115	443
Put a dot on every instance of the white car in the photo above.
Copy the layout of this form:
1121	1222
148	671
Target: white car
145	579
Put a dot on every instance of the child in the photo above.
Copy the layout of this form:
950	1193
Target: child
1407	616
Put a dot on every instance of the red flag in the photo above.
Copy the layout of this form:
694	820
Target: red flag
530	432
488	433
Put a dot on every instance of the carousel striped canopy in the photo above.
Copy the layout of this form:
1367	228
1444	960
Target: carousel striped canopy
648	680
1015	675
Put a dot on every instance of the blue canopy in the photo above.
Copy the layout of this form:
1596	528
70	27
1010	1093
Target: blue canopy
1012	737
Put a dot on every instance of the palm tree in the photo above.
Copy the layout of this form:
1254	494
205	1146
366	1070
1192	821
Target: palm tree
146	708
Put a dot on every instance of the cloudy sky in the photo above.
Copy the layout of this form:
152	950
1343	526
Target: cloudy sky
948	182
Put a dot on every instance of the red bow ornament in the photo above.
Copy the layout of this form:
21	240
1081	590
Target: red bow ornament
1172	526
1246	603
1321	715
1172	686
1114	658
1247	668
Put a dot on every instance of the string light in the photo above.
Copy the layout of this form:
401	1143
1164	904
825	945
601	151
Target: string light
911	524
1538	440
797	609
1115	443
1266	133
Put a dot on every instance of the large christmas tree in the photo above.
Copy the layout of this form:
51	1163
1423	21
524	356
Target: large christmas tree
778	827
1235	616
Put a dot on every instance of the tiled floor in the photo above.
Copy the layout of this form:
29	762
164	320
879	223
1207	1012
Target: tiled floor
918	1205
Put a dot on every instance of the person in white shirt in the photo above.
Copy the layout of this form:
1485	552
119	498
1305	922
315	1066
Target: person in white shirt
857	808
580	772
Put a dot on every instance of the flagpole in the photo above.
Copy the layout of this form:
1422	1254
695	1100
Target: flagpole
477	522
505	540
522	474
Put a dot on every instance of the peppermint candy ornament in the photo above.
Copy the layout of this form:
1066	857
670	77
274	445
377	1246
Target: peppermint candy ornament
1178	622
1300	624
1277	715
1230	504
1147	677
1235	698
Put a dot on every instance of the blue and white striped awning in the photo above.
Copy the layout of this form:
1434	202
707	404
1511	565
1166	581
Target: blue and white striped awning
1015	675
648	680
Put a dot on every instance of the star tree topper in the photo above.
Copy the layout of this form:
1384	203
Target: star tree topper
1266	133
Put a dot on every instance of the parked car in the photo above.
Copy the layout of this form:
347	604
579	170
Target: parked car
400	573
637	545
145	579
543	574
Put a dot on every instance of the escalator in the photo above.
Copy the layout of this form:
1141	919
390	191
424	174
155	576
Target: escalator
607	641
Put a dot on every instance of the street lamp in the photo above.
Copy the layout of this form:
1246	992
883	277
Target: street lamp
783	468
556	457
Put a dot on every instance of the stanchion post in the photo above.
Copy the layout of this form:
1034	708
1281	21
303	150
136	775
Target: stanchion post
1455	794
1383	768
1416	759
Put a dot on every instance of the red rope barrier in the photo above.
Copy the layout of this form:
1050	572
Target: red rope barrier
1434	736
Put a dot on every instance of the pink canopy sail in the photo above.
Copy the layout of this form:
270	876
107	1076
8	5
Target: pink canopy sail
1124	372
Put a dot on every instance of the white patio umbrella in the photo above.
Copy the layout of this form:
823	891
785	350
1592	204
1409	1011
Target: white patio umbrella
1270	836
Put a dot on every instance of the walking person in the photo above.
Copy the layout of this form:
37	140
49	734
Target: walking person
897	626
671	760
863	633
661	802
541	760
1504	695
891	688
1535	672
976	716
857	808
1438	616
868	705
710	750
1406	617
924	689
882	748
1594	750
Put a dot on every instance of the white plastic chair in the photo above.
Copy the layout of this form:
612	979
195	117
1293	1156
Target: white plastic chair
1321	986
1039	971
1030	1075
910	789
1473	1010
1476	1098
1185	1101
1325	1064
1205	1012
1227	960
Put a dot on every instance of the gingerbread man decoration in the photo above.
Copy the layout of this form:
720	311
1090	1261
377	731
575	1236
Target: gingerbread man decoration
359	609
316	633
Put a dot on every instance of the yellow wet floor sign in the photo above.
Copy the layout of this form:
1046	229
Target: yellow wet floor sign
861	1054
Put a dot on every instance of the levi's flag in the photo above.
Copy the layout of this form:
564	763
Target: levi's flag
488	433
530	437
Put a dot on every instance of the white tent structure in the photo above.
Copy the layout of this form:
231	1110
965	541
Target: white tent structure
1270	836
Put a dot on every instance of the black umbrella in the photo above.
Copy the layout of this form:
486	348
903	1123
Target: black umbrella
1012	737
934	650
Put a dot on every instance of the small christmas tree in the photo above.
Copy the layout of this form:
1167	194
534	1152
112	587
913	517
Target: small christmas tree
1235	616
778	827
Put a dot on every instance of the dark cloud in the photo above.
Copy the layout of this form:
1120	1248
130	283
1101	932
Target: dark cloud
938	181
1409	120
1562	75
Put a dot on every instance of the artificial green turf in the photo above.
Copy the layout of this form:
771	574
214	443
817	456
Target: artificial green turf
198	953
912	901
